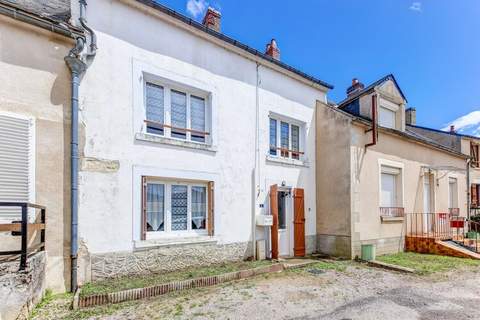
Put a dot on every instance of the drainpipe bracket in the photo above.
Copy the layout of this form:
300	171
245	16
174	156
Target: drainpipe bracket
75	65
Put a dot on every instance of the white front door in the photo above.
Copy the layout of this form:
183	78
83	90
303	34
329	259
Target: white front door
284	227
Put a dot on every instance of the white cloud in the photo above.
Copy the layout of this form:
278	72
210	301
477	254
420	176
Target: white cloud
416	6
196	7
467	124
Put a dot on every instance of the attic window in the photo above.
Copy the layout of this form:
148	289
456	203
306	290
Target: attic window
386	118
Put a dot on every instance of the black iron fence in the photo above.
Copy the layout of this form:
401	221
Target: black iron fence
24	228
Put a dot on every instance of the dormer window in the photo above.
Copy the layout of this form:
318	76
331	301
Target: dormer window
386	117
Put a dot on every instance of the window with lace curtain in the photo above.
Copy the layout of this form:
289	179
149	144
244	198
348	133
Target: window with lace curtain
175	207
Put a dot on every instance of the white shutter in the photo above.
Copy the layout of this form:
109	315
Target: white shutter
14	164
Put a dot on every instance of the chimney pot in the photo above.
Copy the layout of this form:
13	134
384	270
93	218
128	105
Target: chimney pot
355	87
212	19
272	50
411	116
452	129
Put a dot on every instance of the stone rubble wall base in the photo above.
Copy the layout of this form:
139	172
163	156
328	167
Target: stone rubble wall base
165	259
20	291
432	246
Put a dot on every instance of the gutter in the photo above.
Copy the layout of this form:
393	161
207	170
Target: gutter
39	21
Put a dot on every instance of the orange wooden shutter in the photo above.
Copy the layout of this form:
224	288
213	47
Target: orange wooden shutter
474	195
210	214
298	223
143	234
274	213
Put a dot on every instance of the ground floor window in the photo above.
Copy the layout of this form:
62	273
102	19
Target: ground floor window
176	207
391	191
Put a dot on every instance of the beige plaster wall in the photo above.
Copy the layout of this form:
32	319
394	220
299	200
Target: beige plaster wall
333	180
366	223
35	83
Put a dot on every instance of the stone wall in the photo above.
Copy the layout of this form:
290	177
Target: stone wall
339	246
432	246
21	290
165	259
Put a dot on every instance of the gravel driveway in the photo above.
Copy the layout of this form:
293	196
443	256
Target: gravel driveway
357	293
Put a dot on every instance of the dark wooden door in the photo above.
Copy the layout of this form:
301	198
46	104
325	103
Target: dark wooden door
298	223
274	213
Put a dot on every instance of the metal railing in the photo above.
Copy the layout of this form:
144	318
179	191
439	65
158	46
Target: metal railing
393	212
440	226
473	236
23	227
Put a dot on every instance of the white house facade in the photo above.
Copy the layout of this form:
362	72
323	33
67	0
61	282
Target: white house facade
185	134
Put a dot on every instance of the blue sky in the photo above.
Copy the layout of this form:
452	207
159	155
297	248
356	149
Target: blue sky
431	46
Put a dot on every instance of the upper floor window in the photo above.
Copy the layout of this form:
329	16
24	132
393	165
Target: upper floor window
386	118
285	139
176	113
474	153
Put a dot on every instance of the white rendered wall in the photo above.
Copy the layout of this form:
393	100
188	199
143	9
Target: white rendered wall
127	39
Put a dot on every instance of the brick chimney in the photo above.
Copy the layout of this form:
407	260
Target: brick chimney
212	19
272	50
452	129
355	87
411	116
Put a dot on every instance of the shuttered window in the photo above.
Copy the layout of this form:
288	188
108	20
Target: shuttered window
14	164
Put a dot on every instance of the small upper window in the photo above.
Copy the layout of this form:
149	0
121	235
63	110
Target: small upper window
474	153
285	139
175	114
386	118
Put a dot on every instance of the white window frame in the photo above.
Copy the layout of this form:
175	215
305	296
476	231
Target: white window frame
455	199
168	87
383	167
302	136
168	76
167	232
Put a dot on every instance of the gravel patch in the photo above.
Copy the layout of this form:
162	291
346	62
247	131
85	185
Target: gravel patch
358	293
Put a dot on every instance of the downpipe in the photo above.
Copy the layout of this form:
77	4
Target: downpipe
77	63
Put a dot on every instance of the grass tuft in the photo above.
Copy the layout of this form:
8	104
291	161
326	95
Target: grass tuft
425	264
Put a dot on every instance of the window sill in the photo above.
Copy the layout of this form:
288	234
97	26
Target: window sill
173	242
287	161
174	142
387	219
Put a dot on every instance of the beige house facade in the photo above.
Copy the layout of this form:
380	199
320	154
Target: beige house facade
34	126
378	182
466	144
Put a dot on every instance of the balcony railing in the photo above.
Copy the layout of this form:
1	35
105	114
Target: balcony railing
23	228
392	212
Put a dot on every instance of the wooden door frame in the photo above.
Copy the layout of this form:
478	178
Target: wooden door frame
274	213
